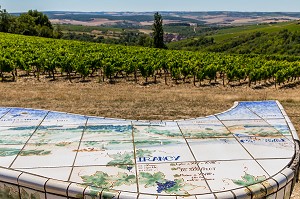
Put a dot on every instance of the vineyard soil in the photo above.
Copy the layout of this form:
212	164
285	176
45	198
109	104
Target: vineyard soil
134	101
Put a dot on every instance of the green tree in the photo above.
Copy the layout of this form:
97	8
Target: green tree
5	19
158	31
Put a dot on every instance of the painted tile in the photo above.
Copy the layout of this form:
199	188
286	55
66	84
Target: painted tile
182	178
59	173
220	175
167	130
103	121
127	195
92	192
8	153
288	190
186	197
238	113
205	130
60	135
272	196
271	186
274	166
251	128
107	132
280	194
105	153
46	155
76	190
23	117
106	177
201	120
264	109
218	149
15	135
30	194
32	181
150	151
58	118
9	175
9	191
206	196
268	147
280	125
225	195
57	187
109	194
3	111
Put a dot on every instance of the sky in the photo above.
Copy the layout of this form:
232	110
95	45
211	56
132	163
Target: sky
152	5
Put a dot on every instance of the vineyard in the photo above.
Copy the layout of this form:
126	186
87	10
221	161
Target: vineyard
55	58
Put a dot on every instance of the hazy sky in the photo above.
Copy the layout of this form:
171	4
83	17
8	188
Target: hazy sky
152	5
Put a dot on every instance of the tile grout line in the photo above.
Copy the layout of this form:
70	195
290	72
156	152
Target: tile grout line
134	156
5	113
83	131
197	162
25	144
245	147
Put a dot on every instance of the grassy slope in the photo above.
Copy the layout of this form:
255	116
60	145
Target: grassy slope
231	33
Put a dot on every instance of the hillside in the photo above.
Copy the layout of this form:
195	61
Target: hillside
275	38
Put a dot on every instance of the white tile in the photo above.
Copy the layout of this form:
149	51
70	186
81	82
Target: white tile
218	149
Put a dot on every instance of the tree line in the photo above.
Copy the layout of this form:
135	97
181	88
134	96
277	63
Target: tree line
32	23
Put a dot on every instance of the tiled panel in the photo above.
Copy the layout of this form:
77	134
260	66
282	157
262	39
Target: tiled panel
149	151
34	182
268	147
204	130
57	134
57	118
251	128
3	111
228	175
122	131
46	155
280	125
238	113
105	153
23	117
241	153
59	173
9	191
274	166
8	153
183	178
166	130
15	135
119	177
264	109
218	149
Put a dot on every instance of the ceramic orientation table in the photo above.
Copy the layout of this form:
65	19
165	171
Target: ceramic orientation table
249	151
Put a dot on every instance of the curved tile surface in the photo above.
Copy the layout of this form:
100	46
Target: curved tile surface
243	152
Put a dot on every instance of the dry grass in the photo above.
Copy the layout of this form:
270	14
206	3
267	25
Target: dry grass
132	101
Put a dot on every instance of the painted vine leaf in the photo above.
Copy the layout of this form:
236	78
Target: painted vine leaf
143	153
123	179
122	160
99	179
34	152
150	180
105	181
248	179
163	132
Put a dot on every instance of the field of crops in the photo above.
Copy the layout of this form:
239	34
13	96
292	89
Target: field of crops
35	56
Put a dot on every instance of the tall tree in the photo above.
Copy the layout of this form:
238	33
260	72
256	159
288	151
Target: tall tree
158	31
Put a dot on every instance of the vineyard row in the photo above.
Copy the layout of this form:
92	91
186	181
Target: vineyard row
41	55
